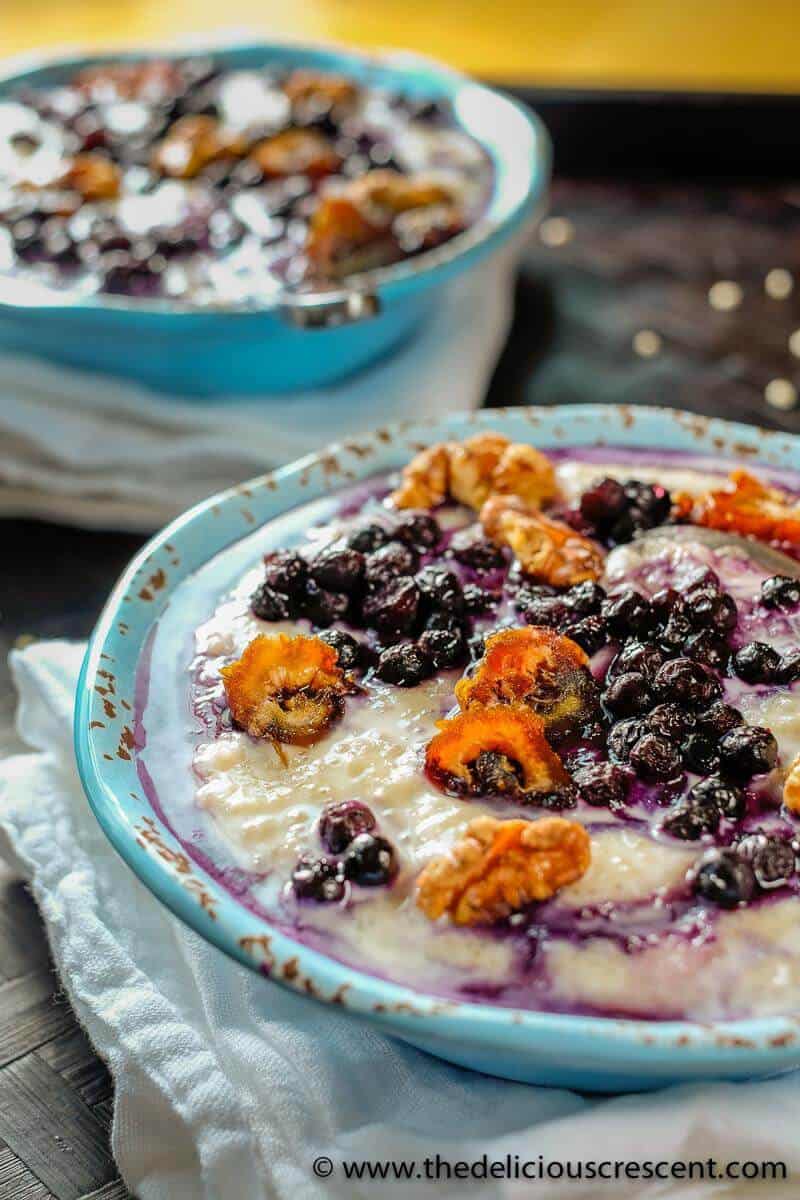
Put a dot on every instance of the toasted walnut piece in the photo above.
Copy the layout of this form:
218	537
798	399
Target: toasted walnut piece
426	479
525	472
500	866
791	786
745	506
547	550
192	143
511	731
94	176
297	152
315	87
340	236
472	466
286	688
536	667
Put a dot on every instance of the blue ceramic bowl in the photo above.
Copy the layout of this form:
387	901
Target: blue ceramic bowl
585	1052
283	345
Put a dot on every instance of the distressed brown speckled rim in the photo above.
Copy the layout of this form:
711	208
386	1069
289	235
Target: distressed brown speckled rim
105	746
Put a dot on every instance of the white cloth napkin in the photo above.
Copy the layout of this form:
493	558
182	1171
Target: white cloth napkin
228	1087
90	450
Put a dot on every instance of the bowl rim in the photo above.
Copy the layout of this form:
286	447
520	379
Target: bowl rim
388	283
274	952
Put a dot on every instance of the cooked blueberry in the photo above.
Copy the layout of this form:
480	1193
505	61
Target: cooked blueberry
285	571
690	819
440	589
339	569
642	657
452	622
585	599
341	823
666	602
756	662
317	879
321	606
405	665
496	774
702	578
650	502
590	633
348	649
477	599
594	732
718	718
370	861
269	605
602	785
729	800
670	721
603	503
443	647
654	758
747	750
780	591
726	880
368	538
565	797
627	612
789	668
627	695
388	563
714	610
773	859
623	737
420	531
682	681
539	608
676	632
708	648
470	547
700	753
394	611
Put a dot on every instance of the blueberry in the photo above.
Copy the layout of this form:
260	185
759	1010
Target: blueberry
756	662
565	797
700	753
670	721
443	647
323	607
627	612
726	880
649	502
405	665
627	695
675	633
603	503
368	538
341	823
339	569
623	737
780	591
269	605
370	861
477	599
388	563
420	531
747	750
590	633
637	656
393	612
440	589
729	800
317	879
789	668
470	547
666	602
718	718
654	758
708	648
285	571
585	599
684	682
452	622
348	649
538	607
690	819
602	785
496	774
773	859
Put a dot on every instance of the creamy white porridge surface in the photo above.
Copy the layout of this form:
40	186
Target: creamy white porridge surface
636	933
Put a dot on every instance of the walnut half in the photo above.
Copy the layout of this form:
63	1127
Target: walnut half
500	866
547	550
791	786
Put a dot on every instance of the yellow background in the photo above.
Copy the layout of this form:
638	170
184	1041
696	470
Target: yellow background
739	44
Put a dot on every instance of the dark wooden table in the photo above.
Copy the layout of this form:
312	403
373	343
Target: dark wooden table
615	303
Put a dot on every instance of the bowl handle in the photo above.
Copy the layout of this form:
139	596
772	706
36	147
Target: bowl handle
326	312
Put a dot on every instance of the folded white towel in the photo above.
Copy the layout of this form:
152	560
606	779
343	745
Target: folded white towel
229	1088
90	450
